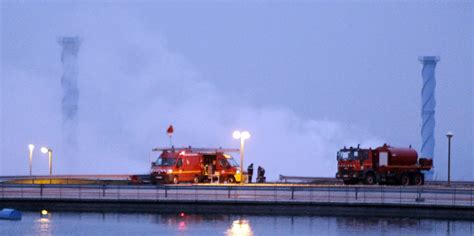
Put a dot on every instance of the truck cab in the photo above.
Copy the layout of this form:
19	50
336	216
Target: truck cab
354	165
174	165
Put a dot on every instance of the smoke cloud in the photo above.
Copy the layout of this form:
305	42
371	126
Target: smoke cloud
133	85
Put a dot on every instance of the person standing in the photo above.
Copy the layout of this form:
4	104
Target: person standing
250	172
260	175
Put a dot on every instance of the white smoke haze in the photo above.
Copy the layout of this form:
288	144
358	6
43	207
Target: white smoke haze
132	86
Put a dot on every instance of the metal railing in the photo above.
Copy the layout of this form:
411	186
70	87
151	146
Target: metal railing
385	195
306	179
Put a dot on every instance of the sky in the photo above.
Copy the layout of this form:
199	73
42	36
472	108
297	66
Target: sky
305	78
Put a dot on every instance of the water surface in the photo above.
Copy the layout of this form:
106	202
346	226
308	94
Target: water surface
60	223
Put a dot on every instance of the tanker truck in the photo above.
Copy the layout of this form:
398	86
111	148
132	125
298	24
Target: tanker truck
383	165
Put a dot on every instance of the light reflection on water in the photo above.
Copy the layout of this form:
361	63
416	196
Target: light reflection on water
43	226
240	228
58	223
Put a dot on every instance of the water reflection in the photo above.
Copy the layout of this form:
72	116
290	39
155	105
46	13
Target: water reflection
240	228
182	219
43	226
186	222
182	226
180	223
372	222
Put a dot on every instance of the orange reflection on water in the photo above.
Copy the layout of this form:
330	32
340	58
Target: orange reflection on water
240	228
43	226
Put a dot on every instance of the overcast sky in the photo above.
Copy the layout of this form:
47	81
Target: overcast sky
305	78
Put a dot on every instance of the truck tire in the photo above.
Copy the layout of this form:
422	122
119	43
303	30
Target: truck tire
418	179
405	179
153	179
370	179
175	180
231	180
196	179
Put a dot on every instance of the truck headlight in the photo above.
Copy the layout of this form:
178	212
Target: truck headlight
170	171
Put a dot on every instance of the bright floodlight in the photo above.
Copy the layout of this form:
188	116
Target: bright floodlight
44	150
449	134
31	147
236	134
245	135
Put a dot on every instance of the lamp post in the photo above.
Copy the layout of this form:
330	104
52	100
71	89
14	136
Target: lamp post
449	135
242	136
50	155
31	147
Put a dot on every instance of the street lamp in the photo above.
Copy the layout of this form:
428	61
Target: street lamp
31	147
242	136
50	155
449	135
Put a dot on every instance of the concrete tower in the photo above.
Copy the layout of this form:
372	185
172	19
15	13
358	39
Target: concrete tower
428	104
70	96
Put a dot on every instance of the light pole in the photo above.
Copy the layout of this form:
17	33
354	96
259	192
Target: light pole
31	147
50	155
449	135
242	136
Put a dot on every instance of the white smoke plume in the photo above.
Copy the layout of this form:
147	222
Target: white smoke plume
132	87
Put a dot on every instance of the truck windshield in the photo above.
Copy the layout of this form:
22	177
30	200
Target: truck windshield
165	161
347	155
232	162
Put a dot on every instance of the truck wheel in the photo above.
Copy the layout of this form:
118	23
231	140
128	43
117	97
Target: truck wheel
405	180
153	179
231	180
370	179
175	180
418	179
196	179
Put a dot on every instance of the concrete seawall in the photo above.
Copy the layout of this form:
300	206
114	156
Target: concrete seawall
248	208
388	201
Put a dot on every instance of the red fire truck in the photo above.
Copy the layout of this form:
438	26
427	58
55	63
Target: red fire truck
195	165
382	165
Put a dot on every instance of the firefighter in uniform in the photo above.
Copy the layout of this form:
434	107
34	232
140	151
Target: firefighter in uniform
250	172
